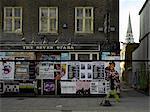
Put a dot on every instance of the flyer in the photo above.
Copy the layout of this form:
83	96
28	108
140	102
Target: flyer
73	70
46	70
97	87
86	71
7	68
48	86
64	70
98	70
68	87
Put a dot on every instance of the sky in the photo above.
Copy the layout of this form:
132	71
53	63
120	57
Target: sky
133	7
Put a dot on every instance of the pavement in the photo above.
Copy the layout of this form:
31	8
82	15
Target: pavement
131	101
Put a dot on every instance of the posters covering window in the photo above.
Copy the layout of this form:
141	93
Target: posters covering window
98	70
64	70
7	68
68	87
73	70
46	70
48	87
86	71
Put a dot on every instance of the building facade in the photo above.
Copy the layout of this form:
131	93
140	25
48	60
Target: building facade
58	30
141	68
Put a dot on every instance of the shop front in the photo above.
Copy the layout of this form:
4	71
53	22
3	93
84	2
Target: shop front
53	70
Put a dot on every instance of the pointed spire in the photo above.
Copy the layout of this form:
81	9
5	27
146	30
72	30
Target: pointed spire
129	30
129	35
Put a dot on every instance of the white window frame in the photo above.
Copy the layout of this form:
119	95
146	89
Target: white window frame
83	19
48	23
13	20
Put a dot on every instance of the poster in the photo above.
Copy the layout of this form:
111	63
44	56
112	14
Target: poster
68	87
86	71
73	70
98	70
21	69
64	70
48	87
46	70
7	68
98	87
83	87
57	71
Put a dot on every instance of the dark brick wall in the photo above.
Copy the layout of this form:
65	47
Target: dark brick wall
66	15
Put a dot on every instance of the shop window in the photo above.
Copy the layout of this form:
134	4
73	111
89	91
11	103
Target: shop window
94	56
72	56
83	56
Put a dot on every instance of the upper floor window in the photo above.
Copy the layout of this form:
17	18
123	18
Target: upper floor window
13	19
48	20
84	19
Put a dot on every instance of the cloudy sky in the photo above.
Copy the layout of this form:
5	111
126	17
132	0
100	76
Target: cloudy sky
132	6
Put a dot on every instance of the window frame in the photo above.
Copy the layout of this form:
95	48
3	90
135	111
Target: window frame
13	17
48	22
83	20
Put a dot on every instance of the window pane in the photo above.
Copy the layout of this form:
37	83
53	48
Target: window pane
94	56
79	12
87	25
44	23
44	12
17	12
17	24
53	25
83	56
72	56
8	24
8	12
79	24
88	12
52	12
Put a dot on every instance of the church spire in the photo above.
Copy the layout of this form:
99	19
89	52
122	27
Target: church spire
129	35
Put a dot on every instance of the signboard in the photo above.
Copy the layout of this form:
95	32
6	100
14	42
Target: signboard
7	68
86	71
46	70
1	87
68	87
